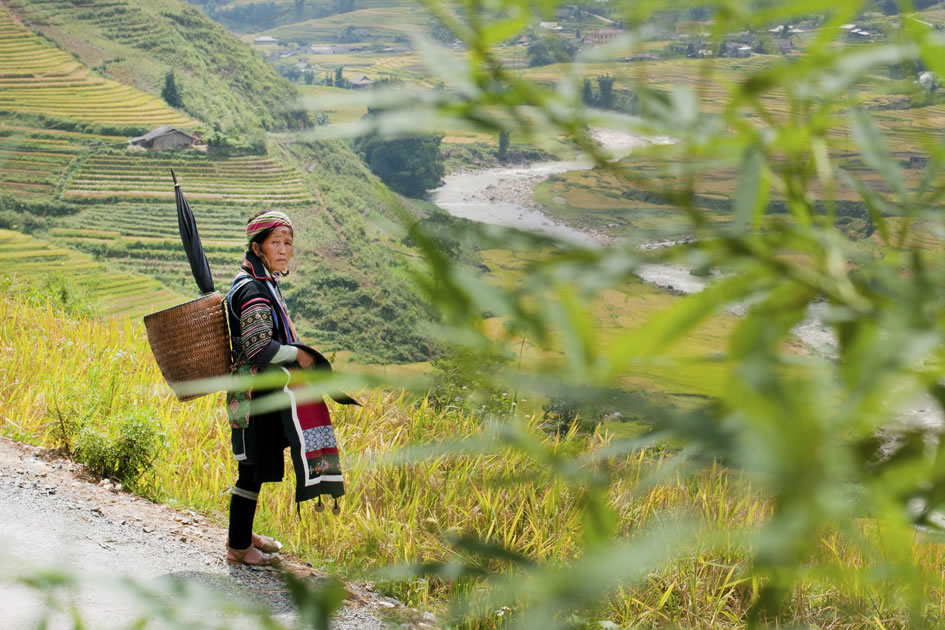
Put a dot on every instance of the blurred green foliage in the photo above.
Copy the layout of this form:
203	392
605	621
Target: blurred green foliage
801	428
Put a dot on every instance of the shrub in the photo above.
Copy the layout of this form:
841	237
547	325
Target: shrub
464	378
21	221
123	447
56	290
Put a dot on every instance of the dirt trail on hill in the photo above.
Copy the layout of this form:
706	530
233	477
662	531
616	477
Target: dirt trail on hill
54	515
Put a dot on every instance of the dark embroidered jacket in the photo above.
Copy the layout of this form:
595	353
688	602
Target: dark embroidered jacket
260	325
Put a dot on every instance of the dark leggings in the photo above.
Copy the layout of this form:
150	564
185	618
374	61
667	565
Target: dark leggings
243	506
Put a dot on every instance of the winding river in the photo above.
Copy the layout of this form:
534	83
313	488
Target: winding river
503	196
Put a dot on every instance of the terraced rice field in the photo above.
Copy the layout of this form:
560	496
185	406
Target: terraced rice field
33	160
138	177
36	77
152	246
118	20
130	215
378	25
115	293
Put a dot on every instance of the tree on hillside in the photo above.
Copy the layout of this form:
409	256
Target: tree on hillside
539	54
587	94
349	35
289	70
339	79
410	166
504	142
344	6
605	85
170	92
548	49
440	31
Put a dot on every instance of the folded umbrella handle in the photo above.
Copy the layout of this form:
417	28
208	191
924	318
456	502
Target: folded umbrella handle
175	177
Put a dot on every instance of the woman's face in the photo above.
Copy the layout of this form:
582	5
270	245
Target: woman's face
277	249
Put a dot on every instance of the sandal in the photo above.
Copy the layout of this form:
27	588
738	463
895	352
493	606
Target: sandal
266	544
239	556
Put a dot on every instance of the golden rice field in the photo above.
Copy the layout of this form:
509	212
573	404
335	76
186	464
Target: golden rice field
396	514
36	77
135	176
379	24
28	260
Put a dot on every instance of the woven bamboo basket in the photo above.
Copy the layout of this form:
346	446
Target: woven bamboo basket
191	342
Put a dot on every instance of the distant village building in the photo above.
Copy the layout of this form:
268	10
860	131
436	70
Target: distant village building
783	45
604	36
736	49
264	40
321	50
789	29
551	26
341	49
163	138
642	57
918	161
564	13
360	81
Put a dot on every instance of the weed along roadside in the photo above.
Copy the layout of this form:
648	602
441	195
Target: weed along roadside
112	540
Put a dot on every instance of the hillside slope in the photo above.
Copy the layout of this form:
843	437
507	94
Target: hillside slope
77	184
223	82
249	16
37	77
79	280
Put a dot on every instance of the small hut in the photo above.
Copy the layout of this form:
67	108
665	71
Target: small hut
360	81
164	137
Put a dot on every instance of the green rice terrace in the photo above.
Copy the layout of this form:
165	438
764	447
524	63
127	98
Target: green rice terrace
36	77
377	25
33	160
27	258
128	213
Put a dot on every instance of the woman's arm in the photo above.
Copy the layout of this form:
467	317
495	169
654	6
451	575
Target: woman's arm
286	354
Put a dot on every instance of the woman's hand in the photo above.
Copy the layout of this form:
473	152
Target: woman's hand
305	359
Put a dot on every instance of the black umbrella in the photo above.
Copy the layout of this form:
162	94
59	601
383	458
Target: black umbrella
191	239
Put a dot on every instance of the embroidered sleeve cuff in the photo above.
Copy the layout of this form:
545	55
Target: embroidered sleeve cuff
264	357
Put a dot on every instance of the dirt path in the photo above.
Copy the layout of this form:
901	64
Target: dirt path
54	515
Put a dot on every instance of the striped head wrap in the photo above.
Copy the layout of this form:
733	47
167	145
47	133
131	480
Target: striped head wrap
266	221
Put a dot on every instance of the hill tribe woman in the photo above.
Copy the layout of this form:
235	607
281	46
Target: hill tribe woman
267	342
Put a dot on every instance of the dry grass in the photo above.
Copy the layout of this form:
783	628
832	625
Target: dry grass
397	514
